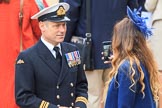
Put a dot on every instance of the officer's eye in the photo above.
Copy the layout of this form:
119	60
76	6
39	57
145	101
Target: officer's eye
56	25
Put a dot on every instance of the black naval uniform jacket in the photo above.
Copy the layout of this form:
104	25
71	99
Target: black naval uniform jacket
38	84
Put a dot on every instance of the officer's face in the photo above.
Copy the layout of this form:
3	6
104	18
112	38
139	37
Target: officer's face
53	32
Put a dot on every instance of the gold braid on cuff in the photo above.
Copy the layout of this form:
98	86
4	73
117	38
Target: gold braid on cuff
44	104
81	99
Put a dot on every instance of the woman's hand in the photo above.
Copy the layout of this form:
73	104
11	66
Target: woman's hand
107	61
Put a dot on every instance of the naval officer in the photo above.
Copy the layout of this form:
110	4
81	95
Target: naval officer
50	74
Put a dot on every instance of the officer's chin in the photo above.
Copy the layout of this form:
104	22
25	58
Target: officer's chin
60	40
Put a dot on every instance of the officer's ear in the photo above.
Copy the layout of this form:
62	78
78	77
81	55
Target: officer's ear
42	26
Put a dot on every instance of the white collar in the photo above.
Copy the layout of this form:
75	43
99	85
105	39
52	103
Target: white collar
49	45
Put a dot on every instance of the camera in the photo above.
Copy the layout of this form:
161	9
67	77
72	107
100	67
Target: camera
107	49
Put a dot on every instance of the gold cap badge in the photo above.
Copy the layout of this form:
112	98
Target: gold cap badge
61	11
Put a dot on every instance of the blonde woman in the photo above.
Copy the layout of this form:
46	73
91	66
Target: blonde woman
133	81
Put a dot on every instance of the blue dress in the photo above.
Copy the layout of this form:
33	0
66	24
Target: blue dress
120	95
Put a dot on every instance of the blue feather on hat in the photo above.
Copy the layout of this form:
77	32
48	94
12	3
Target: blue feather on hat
139	22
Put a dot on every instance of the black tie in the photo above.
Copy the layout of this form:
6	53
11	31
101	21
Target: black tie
58	57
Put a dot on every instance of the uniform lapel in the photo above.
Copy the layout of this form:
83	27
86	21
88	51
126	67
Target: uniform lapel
65	67
47	57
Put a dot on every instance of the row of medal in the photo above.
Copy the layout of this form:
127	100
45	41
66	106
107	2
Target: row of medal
73	58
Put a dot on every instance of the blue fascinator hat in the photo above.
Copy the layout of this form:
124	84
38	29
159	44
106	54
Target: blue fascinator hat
139	22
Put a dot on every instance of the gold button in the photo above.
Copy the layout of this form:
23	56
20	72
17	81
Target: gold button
72	94
71	84
57	87
72	104
58	96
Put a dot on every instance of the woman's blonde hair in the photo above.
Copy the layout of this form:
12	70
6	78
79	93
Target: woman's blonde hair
129	43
